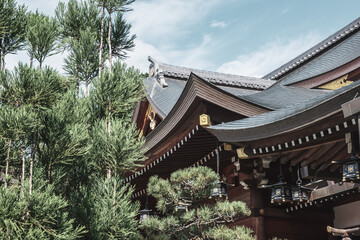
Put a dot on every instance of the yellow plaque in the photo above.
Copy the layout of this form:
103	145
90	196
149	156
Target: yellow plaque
205	120
227	147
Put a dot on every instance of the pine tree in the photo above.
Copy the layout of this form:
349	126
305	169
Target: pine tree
41	37
41	215
191	188
82	59
13	21
121	40
111	7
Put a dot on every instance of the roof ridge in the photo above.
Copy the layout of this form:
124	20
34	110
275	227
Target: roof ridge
314	51
158	69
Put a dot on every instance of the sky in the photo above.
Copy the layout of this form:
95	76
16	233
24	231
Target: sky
244	37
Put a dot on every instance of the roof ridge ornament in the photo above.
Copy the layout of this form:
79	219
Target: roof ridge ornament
156	72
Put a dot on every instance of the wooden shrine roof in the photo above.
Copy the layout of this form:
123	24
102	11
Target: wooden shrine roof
285	119
317	51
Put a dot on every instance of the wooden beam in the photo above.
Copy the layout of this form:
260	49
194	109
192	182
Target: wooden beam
343	232
303	156
321	151
308	173
351	108
326	157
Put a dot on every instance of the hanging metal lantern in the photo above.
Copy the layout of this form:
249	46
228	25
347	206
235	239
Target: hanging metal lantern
350	169
300	193
144	214
281	193
182	205
219	190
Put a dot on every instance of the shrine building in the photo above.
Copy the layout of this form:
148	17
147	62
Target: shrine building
289	141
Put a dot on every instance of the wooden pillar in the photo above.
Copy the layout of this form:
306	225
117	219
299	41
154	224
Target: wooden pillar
256	202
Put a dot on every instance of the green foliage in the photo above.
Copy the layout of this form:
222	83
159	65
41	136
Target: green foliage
121	40
13	24
112	218
237	233
41	215
81	62
118	150
41	37
77	16
27	86
122	89
203	220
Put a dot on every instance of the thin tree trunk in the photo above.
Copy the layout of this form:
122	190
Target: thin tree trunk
40	65
23	168
31	169
86	88
114	197
77	84
101	38
109	43
7	164
31	61
3	63
108	128
49	171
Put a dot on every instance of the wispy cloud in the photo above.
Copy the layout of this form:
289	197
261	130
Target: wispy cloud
270	56
218	24
164	19
161	24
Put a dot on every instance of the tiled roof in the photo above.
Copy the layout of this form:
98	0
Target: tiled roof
315	51
346	51
243	130
170	71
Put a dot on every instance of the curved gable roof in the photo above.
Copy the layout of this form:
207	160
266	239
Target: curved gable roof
315	51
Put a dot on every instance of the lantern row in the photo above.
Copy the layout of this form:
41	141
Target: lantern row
305	139
318	202
164	156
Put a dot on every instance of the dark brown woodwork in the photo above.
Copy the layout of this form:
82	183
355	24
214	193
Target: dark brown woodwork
328	156
308	173
304	155
320	152
288	156
350	68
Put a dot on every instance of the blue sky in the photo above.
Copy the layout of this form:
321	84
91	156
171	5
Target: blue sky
246	37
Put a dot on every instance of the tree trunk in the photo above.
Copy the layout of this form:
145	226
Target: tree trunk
108	128
23	168
7	163
86	88
31	61
3	63
109	43
49	172
31	168
114	200
101	38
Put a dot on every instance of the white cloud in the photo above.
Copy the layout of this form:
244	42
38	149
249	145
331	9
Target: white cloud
55	61
166	20
139	56
47	7
218	24
270	56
